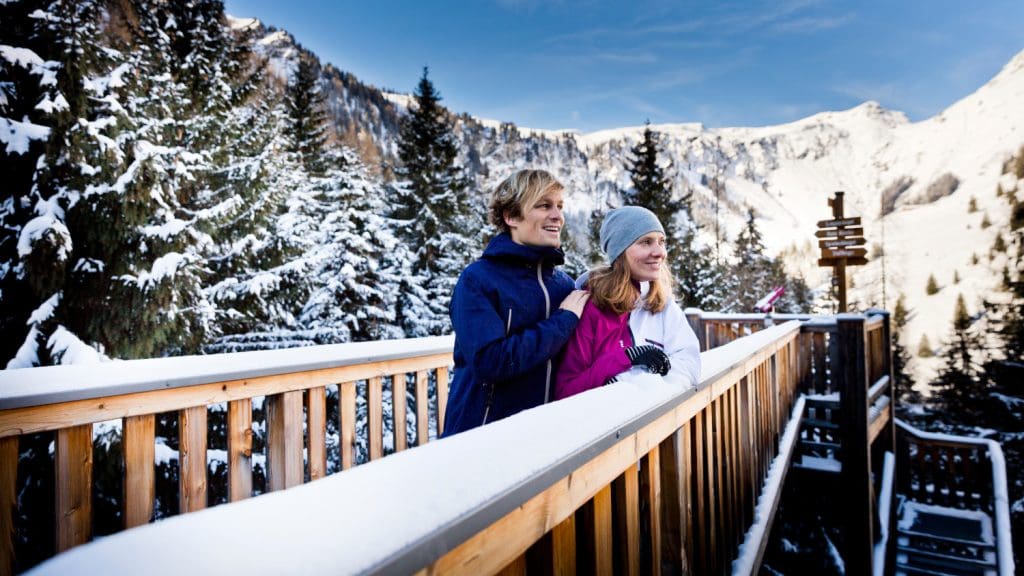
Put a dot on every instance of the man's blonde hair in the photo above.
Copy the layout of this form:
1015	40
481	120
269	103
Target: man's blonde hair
519	191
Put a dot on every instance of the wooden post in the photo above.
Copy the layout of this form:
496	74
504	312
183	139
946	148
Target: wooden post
284	440
375	417
316	411
858	506
347	424
73	466
693	316
673	499
840	269
398	402
422	409
192	459
626	501
239	449
139	471
8	501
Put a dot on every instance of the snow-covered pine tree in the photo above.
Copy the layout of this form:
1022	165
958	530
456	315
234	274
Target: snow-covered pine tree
307	118
34	243
752	270
358	263
961	391
435	214
904	383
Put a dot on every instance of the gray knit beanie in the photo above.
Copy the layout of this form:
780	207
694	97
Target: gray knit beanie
622	226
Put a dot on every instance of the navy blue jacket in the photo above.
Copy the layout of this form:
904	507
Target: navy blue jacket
508	330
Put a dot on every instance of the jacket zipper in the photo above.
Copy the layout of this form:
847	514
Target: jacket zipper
490	388
547	314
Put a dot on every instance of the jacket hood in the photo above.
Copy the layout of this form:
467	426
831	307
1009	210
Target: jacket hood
502	247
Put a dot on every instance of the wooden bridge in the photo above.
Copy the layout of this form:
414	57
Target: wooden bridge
644	476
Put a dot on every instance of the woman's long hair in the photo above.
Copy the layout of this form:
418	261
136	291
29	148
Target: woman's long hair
612	288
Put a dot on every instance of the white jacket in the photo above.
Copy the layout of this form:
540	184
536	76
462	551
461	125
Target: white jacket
668	330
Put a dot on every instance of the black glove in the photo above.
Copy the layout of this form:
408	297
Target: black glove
652	357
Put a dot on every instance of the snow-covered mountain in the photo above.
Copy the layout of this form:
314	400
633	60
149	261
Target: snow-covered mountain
925	173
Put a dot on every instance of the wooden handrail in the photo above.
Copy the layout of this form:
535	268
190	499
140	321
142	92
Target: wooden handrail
67	400
476	502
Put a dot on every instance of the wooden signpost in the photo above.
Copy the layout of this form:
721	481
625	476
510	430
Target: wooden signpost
842	245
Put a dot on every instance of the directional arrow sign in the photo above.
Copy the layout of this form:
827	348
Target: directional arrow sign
855	221
840	243
835	261
839	233
843	252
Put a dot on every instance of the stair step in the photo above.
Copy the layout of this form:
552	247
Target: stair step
948	539
818	464
819	423
811	445
934	560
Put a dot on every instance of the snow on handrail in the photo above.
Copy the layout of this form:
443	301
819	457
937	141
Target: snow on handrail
1000	496
52	384
400	513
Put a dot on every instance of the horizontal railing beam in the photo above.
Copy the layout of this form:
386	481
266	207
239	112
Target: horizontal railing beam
40	418
55	384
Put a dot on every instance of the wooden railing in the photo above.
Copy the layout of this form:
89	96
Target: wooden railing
637	477
293	386
956	472
844	370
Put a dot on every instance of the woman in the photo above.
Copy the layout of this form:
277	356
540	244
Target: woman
631	319
507	328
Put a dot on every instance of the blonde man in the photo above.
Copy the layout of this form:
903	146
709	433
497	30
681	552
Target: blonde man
512	310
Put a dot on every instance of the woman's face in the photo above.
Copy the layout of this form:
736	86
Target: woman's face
540	224
645	257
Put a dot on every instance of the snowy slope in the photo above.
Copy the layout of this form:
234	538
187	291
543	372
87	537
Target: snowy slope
785	172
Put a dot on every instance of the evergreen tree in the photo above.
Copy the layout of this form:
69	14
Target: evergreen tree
435	213
905	392
961	392
924	347
596	256
652	188
34	244
753	270
306	116
933	286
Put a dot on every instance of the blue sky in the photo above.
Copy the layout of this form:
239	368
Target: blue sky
591	65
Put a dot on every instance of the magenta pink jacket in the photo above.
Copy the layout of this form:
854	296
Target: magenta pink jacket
595	352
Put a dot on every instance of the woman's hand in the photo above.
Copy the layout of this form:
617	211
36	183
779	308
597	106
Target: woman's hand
652	357
574	302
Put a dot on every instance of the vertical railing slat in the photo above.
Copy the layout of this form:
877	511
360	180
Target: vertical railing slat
563	546
239	449
626	495
442	397
139	469
8	501
284	440
192	459
316	411
652	486
73	467
398	402
422	408
347	424
375	406
673	484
